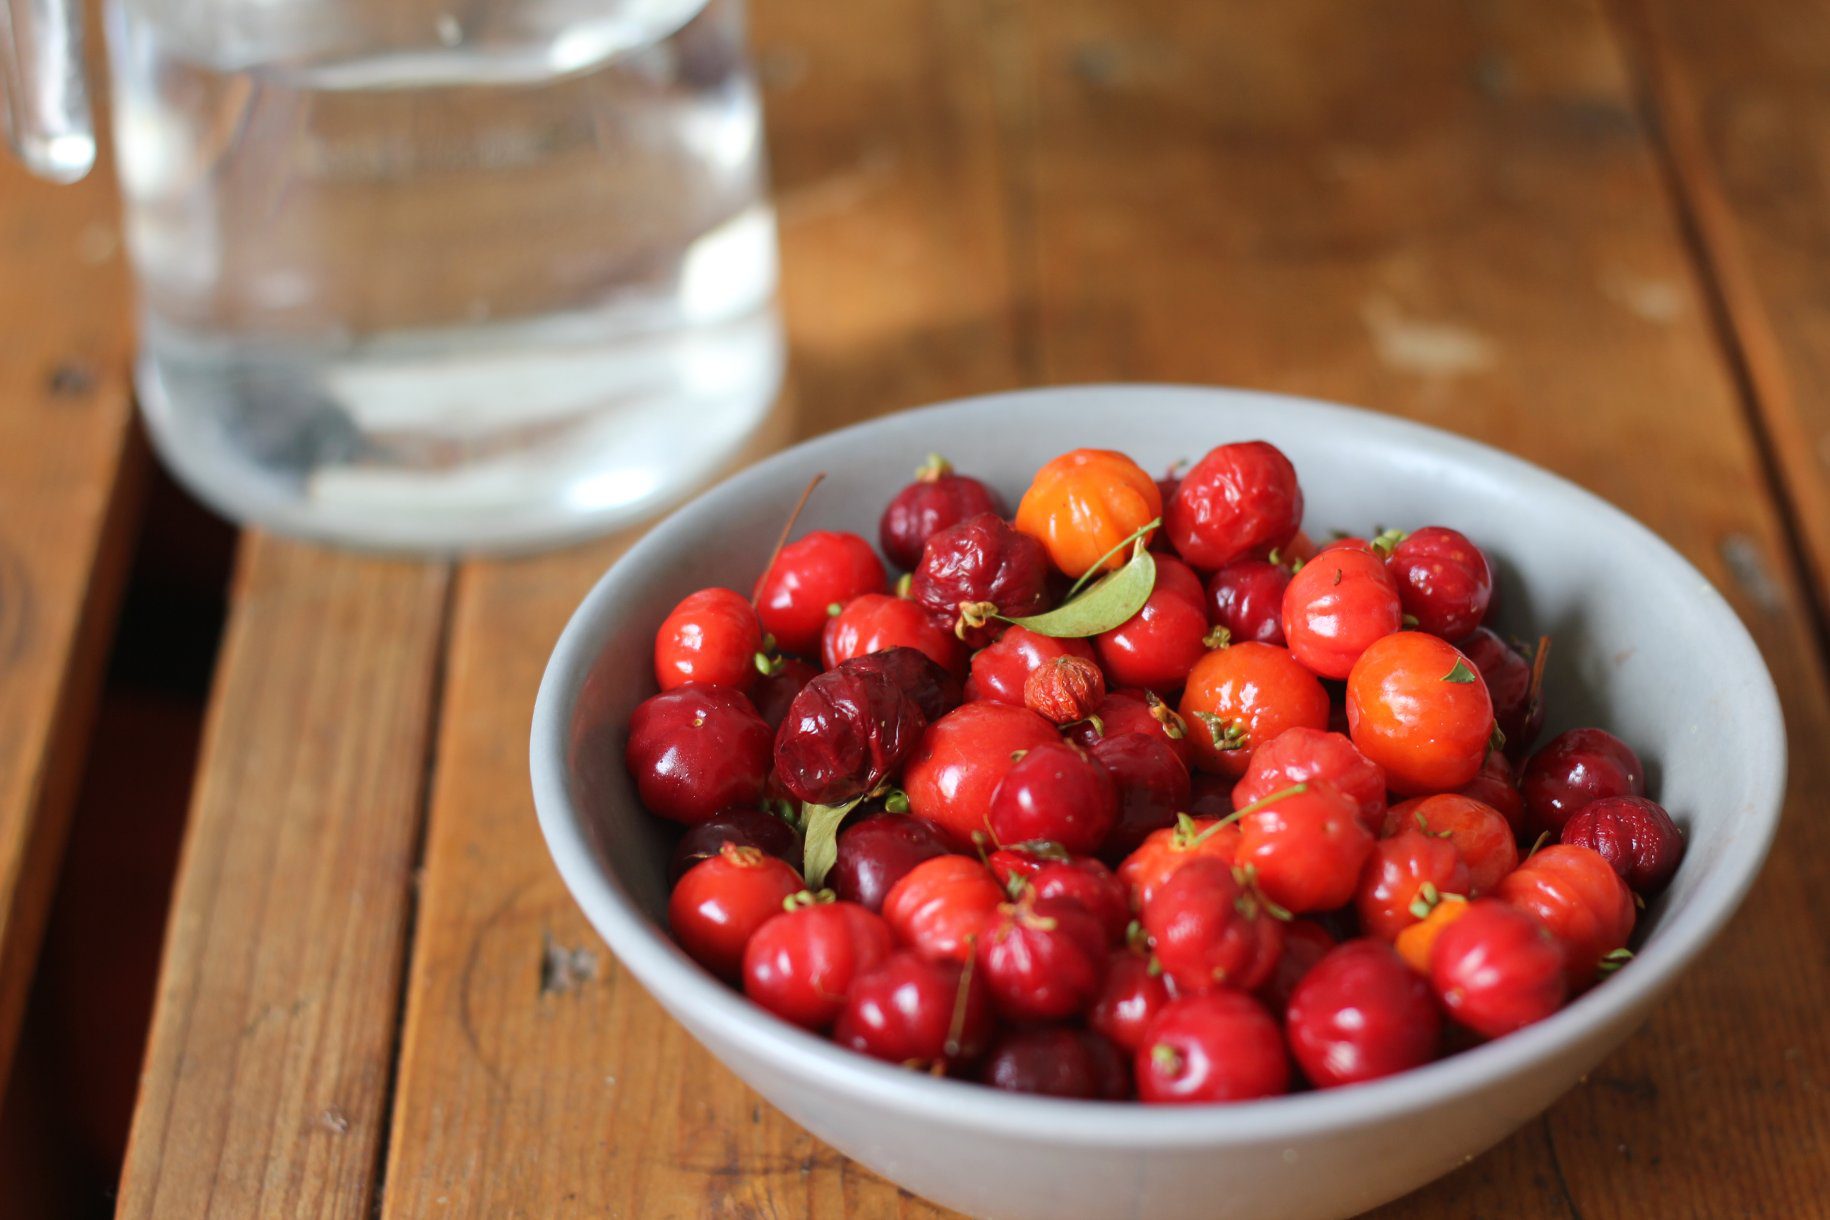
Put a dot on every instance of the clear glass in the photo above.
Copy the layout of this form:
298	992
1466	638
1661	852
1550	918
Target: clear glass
445	274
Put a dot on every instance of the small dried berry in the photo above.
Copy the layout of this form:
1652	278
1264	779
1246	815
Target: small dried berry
1064	690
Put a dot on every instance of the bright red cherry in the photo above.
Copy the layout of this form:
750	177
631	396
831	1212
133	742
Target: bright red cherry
1152	785
1164	851
877	852
1089	883
961	760
1443	579
922	1014
1417	708
1156	647
1403	878
1482	838
1135	991
1246	598
1634	835
721	902
1361	1014
800	964
937	499
1043	959
1059	1062
742	826
1242	696
1241	500
1305	848
1209	931
873	622
811	577
710	639
1575	768
1341	602
1001	670
1582	900
1497	969
1222	1046
1300	754
940	906
1054	794
698	750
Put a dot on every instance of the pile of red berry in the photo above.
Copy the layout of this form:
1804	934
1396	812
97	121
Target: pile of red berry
1136	793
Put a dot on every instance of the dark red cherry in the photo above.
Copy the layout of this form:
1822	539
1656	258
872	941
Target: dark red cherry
800	964
697	750
877	852
1634	835
1001	670
1575	768
1306	942
936	500
1135	991
1152	785
1222	1046
775	690
922	1014
810	577
1210	795
1443	580
848	731
1057	1061
1517	706
979	568
1246	597
1359	1014
1137	711
1042	959
1056	794
740	825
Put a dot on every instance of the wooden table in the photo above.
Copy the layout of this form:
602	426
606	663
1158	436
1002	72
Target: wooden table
1594	233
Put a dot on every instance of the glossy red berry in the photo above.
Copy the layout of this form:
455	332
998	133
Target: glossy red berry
1135	991
1301	754
1494	786
1306	942
1582	900
1164	851
1244	695
977	569
1341	603
1305	848
961	760
1086	882
1209	931
697	750
1156	647
1001	670
873	622
812	575
877	852
1497	969
1482	838
847	732
1517	702
1059	1062
922	1014
1246	598
1443	579
1043	959
1222	1046
941	905
1361	1014
1137	711
1152	785
1240	501
1575	768
710	639
1064	690
936	500
1634	835
741	826
800	964
775	690
1403	878
1417	708
1054	794
721	902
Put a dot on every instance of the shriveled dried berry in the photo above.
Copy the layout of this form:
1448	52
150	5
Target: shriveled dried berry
976	569
846	732
1064	690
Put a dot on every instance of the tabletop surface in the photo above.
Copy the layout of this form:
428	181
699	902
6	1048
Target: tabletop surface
1594	233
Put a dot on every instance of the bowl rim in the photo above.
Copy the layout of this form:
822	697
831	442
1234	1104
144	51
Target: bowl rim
682	985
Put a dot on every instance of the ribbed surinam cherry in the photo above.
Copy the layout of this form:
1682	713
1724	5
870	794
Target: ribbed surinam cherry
877	852
1481	836
800	964
710	639
976	570
1054	793
1512	682
1306	942
1305	846
873	622
1042	959
1582	900
1164	851
1152	785
1084	504
1134	992
1418	709
1497	969
810	577
720	902
1210	931
846	733
1059	1062
1300	754
1634	835
936	500
1361	1014
1065	689
1404	877
1244	695
1156	647
1246	598
1443	579
740	825
1240	501
961	760
1341	602
697	750
1222	1046
1001	670
923	1014
1575	768
1136	711
940	906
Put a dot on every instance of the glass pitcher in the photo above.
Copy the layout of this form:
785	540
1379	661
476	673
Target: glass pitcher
431	274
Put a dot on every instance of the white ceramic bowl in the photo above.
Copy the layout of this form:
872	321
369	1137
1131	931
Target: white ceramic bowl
1644	646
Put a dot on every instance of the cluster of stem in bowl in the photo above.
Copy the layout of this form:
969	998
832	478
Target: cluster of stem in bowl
1136	793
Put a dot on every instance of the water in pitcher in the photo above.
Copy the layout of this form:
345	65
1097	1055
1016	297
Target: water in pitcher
445	276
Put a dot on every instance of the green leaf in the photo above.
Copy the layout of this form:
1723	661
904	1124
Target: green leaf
1110	601
1461	675
821	849
1134	539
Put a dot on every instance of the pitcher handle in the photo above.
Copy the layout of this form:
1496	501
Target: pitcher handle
47	116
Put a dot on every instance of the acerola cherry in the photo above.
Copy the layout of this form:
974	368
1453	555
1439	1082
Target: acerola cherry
1246	598
1581	899
1481	836
1417	708
1337	606
775	690
1209	931
941	905
1415	942
922	1014
1164	851
1443	579
847	732
1065	689
1087	882
697	750
1056	794
873	622
1137	711
1042	959
811	575
1517	702
976	569
1306	847
1059	1062
1493	786
1497	969
1634	835
1135	991
720	902
1001	669
1152	785
1297	755
937	499
1156	647
742	826
1306	942
710	639
961	760
1403	878
1083	504
1222	1046
1361	1014
800	964
1575	768
1240	501
1243	695
877	852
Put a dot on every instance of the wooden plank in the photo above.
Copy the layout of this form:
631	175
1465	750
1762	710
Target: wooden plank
264	1087
535	1078
71	480
1452	211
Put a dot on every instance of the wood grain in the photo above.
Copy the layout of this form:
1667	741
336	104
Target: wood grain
71	476
267	1068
